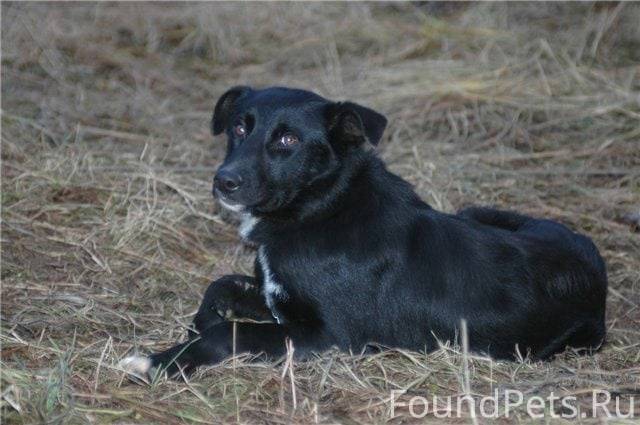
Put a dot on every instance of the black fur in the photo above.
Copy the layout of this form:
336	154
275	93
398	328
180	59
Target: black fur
361	259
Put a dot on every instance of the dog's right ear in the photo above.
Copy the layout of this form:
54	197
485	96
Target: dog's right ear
224	108
353	124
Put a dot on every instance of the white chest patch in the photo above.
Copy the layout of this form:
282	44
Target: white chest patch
270	288
247	225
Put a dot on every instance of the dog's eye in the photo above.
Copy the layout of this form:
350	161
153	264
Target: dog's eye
240	130
288	140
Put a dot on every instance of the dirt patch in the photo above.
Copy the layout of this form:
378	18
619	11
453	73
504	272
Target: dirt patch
76	195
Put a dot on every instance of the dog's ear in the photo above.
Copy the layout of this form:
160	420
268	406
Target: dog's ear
355	123
224	108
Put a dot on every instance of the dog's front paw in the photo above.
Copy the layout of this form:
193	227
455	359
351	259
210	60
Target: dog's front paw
140	367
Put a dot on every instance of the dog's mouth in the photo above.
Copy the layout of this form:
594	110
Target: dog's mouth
242	205
230	205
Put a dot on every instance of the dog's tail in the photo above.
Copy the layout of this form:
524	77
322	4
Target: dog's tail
497	218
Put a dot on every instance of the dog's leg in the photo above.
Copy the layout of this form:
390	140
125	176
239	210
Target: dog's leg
213	345
232	296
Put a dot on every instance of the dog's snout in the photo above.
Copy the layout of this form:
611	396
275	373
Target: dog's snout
227	181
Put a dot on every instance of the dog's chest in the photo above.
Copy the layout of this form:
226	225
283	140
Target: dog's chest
247	224
272	290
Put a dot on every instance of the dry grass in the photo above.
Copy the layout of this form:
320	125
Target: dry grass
110	236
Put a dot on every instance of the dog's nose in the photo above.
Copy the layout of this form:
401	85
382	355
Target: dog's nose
227	181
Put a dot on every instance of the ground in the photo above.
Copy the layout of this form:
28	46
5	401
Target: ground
110	235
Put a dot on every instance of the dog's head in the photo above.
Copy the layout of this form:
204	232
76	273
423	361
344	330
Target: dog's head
281	142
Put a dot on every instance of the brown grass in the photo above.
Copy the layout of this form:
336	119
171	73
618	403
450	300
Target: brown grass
110	236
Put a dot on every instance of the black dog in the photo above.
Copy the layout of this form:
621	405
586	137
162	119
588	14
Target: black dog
348	255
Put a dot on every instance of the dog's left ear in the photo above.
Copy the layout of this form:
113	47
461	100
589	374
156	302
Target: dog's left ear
354	123
224	108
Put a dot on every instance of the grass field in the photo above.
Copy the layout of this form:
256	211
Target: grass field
110	235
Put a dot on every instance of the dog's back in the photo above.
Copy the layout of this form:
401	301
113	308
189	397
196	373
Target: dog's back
546	230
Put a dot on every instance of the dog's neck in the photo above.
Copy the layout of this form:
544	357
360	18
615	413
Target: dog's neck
328	197
355	186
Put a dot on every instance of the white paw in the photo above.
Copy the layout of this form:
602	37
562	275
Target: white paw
136	365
